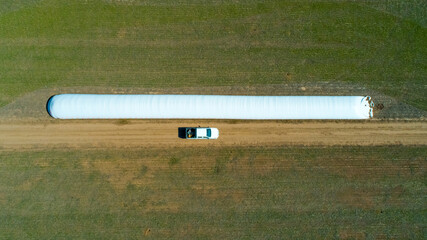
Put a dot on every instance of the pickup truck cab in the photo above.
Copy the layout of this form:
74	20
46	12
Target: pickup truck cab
201	133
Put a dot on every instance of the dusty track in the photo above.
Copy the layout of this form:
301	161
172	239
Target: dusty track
107	134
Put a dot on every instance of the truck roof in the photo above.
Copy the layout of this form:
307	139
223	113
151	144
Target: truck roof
201	132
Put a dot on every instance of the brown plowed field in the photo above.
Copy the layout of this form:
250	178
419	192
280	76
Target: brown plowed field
146	133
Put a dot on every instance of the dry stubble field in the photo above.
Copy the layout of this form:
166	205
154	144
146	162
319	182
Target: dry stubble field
260	179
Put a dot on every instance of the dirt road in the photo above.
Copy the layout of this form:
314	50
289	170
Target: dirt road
146	133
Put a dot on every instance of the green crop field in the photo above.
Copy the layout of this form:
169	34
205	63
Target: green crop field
233	192
134	43
281	47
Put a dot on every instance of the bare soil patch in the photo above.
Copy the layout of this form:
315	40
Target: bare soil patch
164	133
359	198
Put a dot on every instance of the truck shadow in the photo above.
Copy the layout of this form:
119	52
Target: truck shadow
181	132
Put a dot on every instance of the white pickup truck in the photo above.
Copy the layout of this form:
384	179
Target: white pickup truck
201	133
